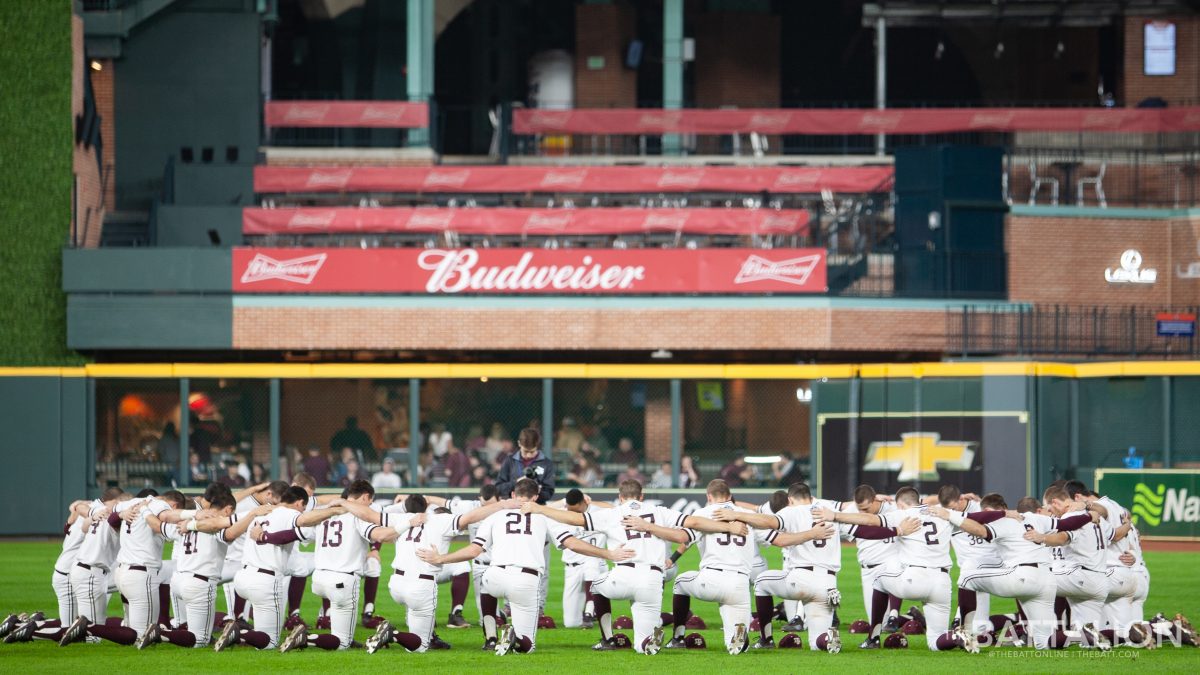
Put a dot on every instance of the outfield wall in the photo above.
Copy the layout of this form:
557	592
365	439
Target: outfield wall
1010	427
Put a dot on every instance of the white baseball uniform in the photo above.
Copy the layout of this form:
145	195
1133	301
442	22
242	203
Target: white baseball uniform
872	553
197	573
1082	578
971	553
262	580
479	565
517	543
920	568
792	608
1123	582
1024	574
725	563
342	545
138	562
578	569
639	579
233	555
810	571
61	581
93	567
414	581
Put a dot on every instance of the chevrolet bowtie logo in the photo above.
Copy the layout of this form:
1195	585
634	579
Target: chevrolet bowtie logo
919	455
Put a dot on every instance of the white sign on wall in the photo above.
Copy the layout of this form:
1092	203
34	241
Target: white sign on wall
1159	44
1131	271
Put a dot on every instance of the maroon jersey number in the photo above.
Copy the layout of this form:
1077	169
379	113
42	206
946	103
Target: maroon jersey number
513	524
634	534
334	528
414	533
189	543
931	535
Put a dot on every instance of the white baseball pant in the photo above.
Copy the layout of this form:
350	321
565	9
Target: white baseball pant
544	582
90	588
1033	586
452	570
139	585
643	587
929	585
1138	602
61	582
574	602
418	593
809	588
729	589
1085	591
1118	606
341	589
792	608
229	570
197	600
477	571
983	601
521	590
165	574
869	572
266	594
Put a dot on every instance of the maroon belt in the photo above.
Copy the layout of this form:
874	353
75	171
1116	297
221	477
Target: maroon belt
428	577
259	570
656	568
813	569
526	570
201	577
137	568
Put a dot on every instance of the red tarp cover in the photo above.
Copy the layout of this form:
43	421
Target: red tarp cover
386	114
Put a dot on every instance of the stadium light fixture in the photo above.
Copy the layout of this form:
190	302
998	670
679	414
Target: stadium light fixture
763	459
804	394
939	51
661	354
96	65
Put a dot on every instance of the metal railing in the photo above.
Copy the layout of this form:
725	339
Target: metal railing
1097	176
1065	330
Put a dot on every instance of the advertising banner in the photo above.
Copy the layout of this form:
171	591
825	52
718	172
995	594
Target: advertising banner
853	121
1163	503
979	452
522	179
523	221
376	114
528	271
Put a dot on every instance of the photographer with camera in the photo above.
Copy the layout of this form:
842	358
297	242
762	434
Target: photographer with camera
527	462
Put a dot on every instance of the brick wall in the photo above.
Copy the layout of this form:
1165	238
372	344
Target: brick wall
604	31
737	64
1181	88
301	328
89	199
1063	260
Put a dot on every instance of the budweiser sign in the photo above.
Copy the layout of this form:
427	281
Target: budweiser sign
528	271
328	179
791	271
295	270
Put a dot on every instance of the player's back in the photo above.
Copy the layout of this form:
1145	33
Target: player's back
824	553
927	547
140	544
242	510
463	506
596	539
647	548
725	551
1087	545
342	543
435	532
969	550
1114	518
1008	536
872	552
274	557
72	542
517	539
199	552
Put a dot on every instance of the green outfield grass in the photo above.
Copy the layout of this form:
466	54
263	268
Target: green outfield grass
25	570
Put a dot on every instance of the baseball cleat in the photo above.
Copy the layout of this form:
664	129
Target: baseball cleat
297	639
893	623
22	633
764	643
604	646
674	643
870	643
457	620
835	598
489	645
227	638
967	640
738	643
381	638
917	615
149	637
1187	634
436	642
9	623
654	642
1092	638
1139	637
780	612
796	625
75	632
833	641
589	621
507	639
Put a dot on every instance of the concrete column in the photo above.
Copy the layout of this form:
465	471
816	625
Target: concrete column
185	449
672	67
676	429
273	425
420	61
548	416
414	425
880	76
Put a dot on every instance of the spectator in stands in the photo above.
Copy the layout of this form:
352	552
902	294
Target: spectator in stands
787	471
625	452
351	436
198	472
496	442
353	472
632	472
339	471
231	476
480	477
737	472
244	468
569	437
440	440
475	440
595	438
200	439
317	466
259	474
457	467
585	473
168	447
662	477
688	476
386	477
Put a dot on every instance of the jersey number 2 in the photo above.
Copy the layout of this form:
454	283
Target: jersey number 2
931	535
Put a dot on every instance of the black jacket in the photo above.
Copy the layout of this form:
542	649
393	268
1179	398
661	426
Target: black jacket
512	470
